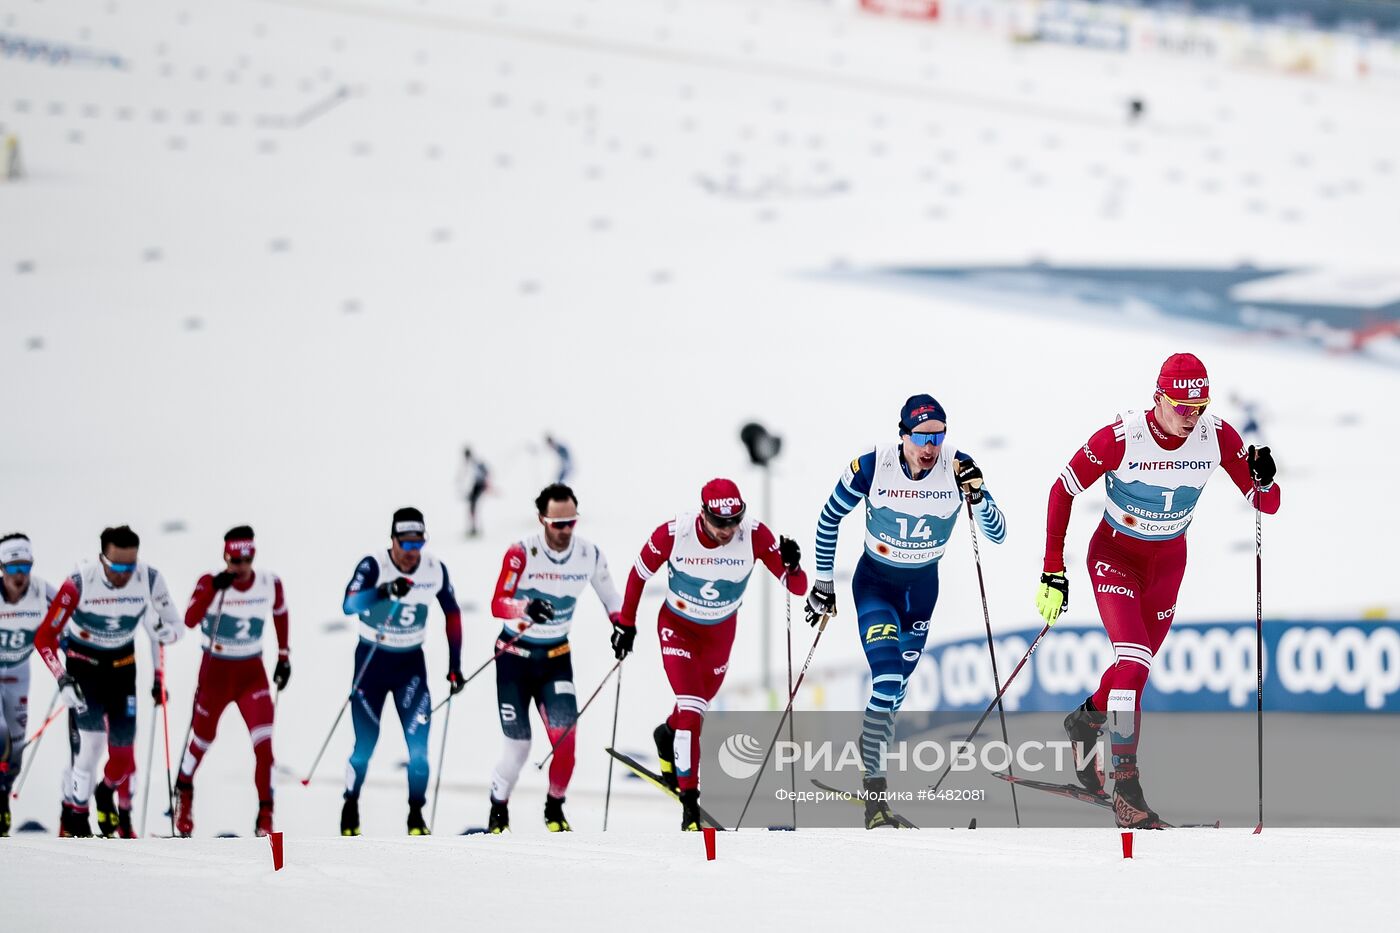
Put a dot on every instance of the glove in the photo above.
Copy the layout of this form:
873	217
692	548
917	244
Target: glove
790	553
222	580
1261	466
282	673
821	601
457	680
395	589
1053	597
539	611
158	689
623	635
71	694
969	477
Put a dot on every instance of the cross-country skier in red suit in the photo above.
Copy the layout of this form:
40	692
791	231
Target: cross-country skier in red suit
709	556
1155	464
232	607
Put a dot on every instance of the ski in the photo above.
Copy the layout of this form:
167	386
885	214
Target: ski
654	779
1075	792
855	799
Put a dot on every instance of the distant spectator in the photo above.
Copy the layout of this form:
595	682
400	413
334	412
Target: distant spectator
473	479
566	461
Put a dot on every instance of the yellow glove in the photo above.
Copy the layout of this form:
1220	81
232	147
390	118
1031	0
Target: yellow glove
1053	597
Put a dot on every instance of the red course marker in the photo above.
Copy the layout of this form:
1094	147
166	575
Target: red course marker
709	843
275	839
1128	844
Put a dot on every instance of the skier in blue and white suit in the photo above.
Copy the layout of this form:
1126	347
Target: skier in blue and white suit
913	492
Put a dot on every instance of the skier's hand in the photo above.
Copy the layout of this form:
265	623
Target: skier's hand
158	689
222	580
1261	466
71	694
282	673
623	635
457	680
395	589
969	478
821	601
539	611
1053	596
791	554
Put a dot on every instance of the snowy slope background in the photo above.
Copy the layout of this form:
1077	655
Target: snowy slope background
637	225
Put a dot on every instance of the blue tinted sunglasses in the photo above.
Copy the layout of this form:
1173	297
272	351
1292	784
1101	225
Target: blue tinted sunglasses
19	566
923	439
412	545
118	568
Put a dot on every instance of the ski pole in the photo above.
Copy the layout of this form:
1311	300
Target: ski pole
1259	647
997	699
792	696
500	651
209	651
146	791
539	766
617	703
354	686
442	756
991	653
36	738
165	718
792	775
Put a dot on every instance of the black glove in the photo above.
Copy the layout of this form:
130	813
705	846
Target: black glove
622	638
1261	466
394	589
282	673
158	689
539	611
790	553
821	601
222	580
457	680
969	477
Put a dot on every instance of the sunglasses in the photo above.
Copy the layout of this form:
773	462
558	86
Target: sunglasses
118	568
240	561
724	521
19	566
412	545
1185	408
560	522
925	438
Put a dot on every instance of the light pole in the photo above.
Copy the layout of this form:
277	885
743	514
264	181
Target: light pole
763	448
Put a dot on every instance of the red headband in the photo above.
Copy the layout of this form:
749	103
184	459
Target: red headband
240	548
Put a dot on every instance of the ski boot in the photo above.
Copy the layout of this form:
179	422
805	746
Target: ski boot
691	821
417	826
184	809
1130	807
4	812
124	828
350	817
878	814
106	807
73	823
554	819
665	738
1084	727
262	826
499	821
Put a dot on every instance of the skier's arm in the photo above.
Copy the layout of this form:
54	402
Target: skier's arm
1102	452
605	588
60	609
447	599
1234	457
504	604
654	554
361	592
989	515
853	486
200	601
281	620
163	621
765	548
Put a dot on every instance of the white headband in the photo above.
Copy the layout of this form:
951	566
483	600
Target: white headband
409	528
16	549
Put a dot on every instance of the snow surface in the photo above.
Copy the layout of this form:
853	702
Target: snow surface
639	225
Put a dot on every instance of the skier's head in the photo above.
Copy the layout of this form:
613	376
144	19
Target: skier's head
922	426
409	533
1182	394
16	560
239	551
721	509
120	546
558	508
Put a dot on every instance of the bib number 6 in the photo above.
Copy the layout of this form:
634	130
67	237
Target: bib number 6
708	591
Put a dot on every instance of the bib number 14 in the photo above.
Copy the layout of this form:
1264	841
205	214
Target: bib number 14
921	530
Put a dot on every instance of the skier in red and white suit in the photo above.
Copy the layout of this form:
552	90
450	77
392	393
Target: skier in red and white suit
709	556
232	608
1155	464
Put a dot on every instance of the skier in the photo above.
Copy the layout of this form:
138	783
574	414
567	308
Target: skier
566	458
96	611
473	479
536	596
24	598
232	607
709	556
913	491
390	592
1155	464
